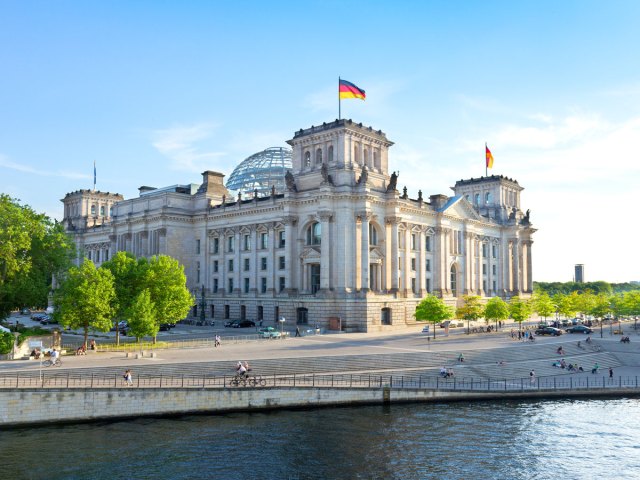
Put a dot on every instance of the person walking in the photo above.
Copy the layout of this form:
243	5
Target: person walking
297	331
532	376
216	343
128	378
610	374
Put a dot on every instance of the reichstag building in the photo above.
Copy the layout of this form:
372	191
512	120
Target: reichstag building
319	235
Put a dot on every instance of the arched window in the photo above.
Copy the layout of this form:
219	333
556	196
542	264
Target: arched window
454	281
331	154
102	211
476	199
93	209
307	159
318	156
373	235
314	234
487	198
385	315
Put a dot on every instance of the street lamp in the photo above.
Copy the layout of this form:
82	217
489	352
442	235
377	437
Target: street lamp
203	306
281	320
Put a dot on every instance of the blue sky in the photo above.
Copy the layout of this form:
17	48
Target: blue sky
157	92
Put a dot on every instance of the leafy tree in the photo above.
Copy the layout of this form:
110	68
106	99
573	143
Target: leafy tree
585	302
565	304
6	342
167	284
85	299
128	274
472	309
433	310
542	304
519	309
142	320
496	309
32	250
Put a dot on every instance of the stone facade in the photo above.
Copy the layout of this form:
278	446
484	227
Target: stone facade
341	248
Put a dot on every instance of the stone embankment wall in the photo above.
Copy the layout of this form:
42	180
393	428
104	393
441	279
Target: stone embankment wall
41	406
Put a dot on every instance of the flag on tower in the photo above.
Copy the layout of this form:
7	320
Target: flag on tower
489	156
349	90
94	174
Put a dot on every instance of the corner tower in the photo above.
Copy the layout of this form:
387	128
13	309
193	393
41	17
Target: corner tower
340	152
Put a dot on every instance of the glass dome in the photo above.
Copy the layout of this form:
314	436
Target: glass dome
261	171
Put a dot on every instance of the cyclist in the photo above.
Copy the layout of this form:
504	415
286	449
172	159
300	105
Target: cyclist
241	369
54	356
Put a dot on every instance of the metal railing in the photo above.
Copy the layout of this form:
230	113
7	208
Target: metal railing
72	380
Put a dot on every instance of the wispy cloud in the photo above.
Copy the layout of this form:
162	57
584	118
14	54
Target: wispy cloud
187	148
6	163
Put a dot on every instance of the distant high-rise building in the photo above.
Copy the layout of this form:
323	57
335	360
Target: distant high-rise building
579	273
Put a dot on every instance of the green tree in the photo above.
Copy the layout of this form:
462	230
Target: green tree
565	304
32	250
496	309
433	310
142	318
167	284
542	304
520	310
85	299
129	280
472	309
6	342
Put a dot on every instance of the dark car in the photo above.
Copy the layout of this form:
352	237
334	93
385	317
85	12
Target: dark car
549	331
244	324
579	329
231	323
165	327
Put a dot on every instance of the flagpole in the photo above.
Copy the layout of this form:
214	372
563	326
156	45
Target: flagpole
486	167
339	105
94	175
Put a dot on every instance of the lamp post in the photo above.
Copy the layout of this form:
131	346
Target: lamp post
281	320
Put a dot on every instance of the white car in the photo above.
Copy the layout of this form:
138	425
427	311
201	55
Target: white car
4	329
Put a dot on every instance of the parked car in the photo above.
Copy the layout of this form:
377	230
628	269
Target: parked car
165	327
25	311
549	331
231	323
120	326
269	332
244	324
425	329
579	329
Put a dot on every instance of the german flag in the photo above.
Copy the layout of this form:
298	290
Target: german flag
349	90
489	156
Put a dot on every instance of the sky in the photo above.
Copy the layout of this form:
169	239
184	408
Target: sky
156	92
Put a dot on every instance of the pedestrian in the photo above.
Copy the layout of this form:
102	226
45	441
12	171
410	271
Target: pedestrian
595	368
610	374
216	343
519	335
92	345
128	378
526	335
297	331
532	376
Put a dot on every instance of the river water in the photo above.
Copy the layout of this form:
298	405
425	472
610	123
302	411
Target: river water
566	439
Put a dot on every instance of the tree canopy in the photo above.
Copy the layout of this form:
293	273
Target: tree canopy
496	309
433	310
519	309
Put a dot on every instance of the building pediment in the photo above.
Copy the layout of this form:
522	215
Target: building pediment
310	253
458	206
375	254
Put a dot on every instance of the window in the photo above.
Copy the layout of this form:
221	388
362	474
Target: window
102	211
484	285
373	235
413	264
318	156
315	278
260	313
427	243
281	263
263	285
494	286
494	251
263	263
246	242
476	199
230	285
314	234
307	159
246	285
215	266
331	154
466	197
243	312
484	268
230	244
281	239
106	255
414	241
428	264
93	209
413	284
493	269
226	311
428	285
487	198
230	263
385	316
215	285
281	284
264	240
454	281
484	249
246	264
111	211
216	245
198	247
376	159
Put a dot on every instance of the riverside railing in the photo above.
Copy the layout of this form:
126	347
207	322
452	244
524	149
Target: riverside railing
71	380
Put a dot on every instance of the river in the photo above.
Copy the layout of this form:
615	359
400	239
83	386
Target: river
566	439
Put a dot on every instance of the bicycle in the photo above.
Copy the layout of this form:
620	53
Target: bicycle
238	380
257	381
48	363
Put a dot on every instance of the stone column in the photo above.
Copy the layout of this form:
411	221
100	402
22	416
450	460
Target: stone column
421	265
516	267
393	221
406	273
529	267
237	267
272	260
253	259
468	259
325	253
480	290
364	250
291	260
